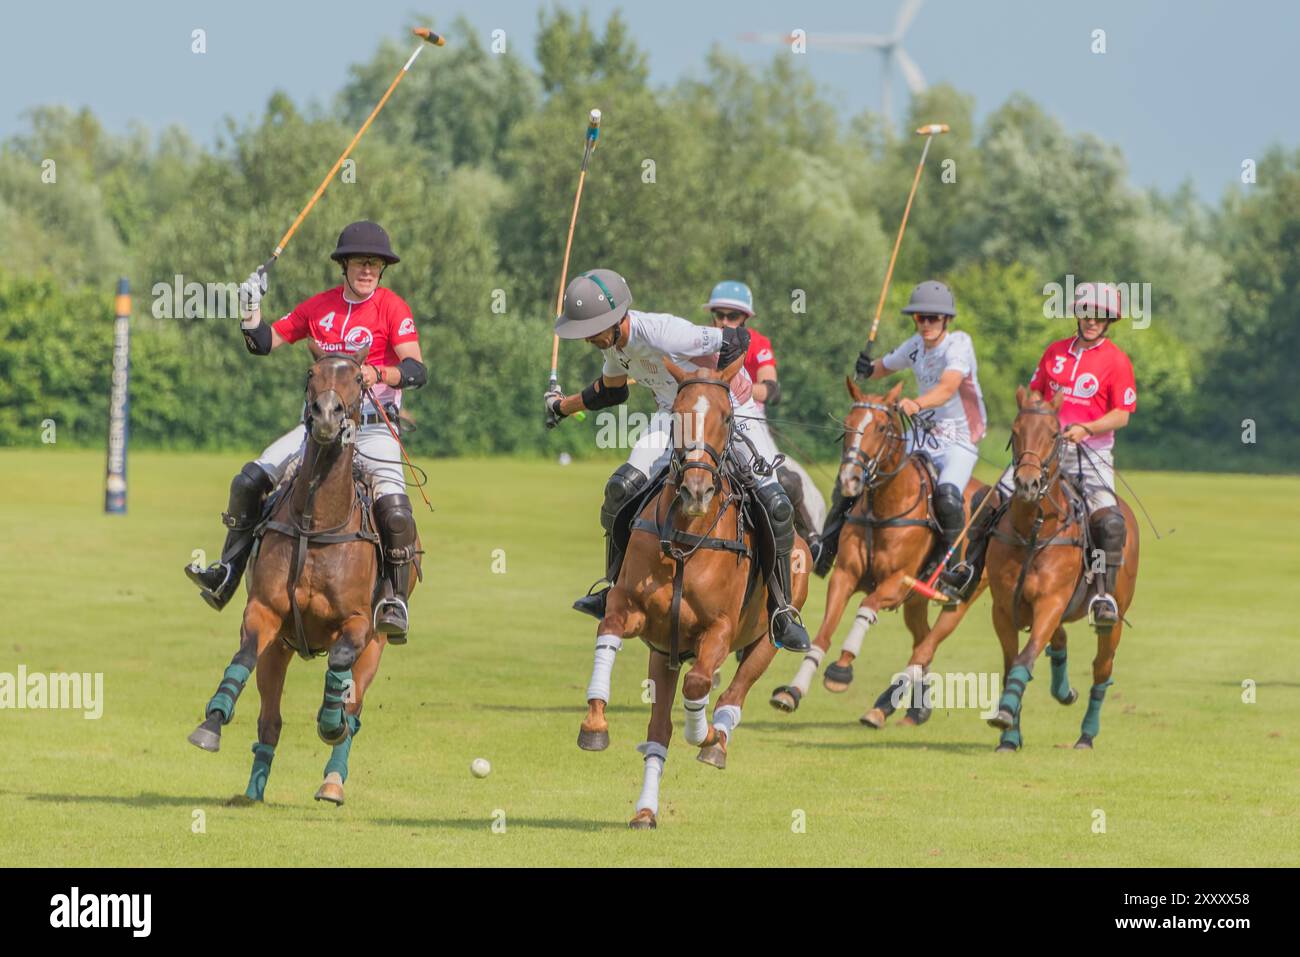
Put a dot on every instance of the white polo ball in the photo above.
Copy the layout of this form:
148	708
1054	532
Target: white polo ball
565	458
480	767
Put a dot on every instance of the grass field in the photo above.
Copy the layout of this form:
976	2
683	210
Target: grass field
1185	772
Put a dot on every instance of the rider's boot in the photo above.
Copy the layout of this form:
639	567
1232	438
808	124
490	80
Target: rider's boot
626	482
829	541
960	579
1109	533
784	624
949	511
220	580
398	538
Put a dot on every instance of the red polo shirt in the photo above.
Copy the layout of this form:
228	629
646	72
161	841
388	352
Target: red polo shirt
1095	380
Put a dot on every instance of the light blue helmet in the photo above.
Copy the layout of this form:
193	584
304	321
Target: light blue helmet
730	294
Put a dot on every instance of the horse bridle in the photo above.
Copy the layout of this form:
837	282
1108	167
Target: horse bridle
870	465
349	412
1045	465
679	464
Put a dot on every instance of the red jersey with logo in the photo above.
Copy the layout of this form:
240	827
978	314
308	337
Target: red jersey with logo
759	355
1096	380
337	324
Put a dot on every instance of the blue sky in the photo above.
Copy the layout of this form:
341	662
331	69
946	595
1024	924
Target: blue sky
1187	89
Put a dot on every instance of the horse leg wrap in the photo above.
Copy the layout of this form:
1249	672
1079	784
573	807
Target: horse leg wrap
1011	735
863	620
919	696
655	756
1092	719
1015	689
1060	674
726	718
338	761
697	723
263	755
607	647
807	668
228	692
892	696
338	687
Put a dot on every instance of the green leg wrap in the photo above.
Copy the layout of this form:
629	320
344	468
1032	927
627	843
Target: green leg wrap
1016	681
1092	720
232	685
1060	675
339	756
263	755
330	717
1011	735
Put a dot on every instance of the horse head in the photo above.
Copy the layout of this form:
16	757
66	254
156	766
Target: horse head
334	390
1036	440
871	432
702	425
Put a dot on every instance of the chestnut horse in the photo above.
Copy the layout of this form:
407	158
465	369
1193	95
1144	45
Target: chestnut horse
1036	572
682	589
321	538
887	534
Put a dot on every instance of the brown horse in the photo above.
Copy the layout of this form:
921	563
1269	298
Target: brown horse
682	590
1036	572
887	535
321	538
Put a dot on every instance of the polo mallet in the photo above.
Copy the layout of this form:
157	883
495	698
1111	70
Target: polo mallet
593	131
928	132
397	435
926	588
426	36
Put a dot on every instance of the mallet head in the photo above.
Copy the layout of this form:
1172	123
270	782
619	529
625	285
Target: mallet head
932	128
424	33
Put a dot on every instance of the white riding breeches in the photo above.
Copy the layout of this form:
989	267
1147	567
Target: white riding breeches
654	448
954	460
373	442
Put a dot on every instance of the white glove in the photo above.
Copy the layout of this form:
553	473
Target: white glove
251	291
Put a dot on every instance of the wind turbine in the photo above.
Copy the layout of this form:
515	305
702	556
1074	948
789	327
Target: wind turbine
890	47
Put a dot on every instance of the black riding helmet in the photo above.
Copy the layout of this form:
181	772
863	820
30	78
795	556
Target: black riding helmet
364	239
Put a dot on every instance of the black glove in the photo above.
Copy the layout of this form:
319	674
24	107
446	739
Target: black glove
864	366
735	343
553	413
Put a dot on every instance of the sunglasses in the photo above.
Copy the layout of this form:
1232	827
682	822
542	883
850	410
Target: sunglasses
366	263
728	314
929	319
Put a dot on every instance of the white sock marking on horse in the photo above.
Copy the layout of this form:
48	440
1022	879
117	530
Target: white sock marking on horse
726	718
807	668
697	721
915	680
607	646
864	619
655	755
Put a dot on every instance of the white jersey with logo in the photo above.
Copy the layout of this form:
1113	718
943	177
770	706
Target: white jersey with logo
653	335
962	418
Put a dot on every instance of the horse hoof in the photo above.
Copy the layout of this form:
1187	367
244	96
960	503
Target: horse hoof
916	717
1003	720
786	699
593	740
332	789
1070	698
836	679
337	738
1084	743
715	755
875	718
644	820
205	738
1004	747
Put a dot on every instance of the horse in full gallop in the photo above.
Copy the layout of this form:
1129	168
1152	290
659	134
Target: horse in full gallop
888	535
1039	563
692	586
311	588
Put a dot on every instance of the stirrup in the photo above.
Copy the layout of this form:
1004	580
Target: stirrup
1105	616
217	596
794	628
395	630
957	581
593	603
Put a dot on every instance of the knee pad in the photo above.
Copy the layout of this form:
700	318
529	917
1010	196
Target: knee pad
1109	526
396	519
252	480
947	502
776	503
626	481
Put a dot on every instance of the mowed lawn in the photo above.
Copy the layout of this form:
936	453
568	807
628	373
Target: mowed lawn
1185	772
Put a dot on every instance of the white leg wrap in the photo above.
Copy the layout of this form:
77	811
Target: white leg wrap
864	619
916	680
697	722
807	668
655	755
725	719
607	646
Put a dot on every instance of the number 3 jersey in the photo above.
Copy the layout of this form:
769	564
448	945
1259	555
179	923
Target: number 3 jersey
381	321
962	418
1095	381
